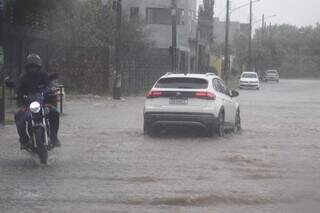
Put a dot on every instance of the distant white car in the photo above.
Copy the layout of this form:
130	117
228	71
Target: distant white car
249	80
191	100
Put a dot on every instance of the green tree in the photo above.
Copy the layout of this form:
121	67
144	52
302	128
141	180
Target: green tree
75	22
294	51
240	51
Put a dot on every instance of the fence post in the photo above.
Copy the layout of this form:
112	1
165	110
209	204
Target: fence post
61	94
3	97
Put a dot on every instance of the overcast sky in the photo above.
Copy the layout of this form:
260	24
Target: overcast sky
296	12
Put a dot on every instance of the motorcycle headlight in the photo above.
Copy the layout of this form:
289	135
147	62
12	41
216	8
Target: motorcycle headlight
35	107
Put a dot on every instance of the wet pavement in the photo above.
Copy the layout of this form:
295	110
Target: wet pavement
106	164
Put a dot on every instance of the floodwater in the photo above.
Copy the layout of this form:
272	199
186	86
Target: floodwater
106	164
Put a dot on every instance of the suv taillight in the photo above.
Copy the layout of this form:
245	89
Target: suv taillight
154	94
205	95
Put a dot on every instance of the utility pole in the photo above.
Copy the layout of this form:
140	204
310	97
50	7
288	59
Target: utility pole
226	50
196	66
271	35
2	73
262	29
174	13
117	5
250	39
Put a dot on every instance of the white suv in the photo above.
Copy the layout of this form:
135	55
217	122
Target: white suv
192	100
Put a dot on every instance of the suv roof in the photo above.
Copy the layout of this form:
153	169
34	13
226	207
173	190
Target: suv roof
190	75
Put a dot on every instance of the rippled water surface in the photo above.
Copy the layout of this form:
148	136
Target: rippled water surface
107	165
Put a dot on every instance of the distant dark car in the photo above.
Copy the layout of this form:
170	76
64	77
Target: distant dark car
271	75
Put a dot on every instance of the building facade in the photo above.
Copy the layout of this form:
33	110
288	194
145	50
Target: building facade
156	16
220	30
235	29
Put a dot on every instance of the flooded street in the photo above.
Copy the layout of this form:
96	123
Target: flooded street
106	164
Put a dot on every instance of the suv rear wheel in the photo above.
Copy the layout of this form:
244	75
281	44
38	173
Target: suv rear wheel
237	127
218	128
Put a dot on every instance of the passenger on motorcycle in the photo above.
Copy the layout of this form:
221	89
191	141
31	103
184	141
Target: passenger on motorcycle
30	83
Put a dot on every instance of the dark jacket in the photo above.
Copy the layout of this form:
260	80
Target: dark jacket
31	83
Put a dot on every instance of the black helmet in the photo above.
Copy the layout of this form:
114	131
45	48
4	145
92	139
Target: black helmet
34	59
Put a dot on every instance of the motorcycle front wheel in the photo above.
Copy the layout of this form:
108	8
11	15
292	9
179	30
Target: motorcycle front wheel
42	150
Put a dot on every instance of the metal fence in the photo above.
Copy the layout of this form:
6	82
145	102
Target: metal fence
140	71
81	69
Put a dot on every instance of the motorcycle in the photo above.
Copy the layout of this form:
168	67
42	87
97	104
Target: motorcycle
37	117
38	125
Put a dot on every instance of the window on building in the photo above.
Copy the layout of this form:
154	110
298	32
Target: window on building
134	13
163	16
158	16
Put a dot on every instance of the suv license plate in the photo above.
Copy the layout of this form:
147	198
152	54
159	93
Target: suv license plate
178	101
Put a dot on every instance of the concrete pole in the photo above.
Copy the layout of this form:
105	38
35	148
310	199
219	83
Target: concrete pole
226	50
196	66
174	13
250	40
118	75
2	72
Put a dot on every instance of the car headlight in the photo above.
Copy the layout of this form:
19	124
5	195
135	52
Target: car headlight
35	107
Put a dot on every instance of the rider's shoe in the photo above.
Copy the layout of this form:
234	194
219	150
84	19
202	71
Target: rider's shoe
24	147
56	142
24	143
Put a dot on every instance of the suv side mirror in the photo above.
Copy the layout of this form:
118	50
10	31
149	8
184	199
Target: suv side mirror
234	94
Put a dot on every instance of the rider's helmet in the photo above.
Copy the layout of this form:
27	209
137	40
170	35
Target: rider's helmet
34	60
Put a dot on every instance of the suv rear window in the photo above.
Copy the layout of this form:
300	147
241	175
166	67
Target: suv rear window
182	83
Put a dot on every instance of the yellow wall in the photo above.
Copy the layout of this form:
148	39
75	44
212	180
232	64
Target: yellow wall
216	63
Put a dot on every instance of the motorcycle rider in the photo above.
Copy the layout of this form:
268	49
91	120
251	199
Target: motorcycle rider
30	83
